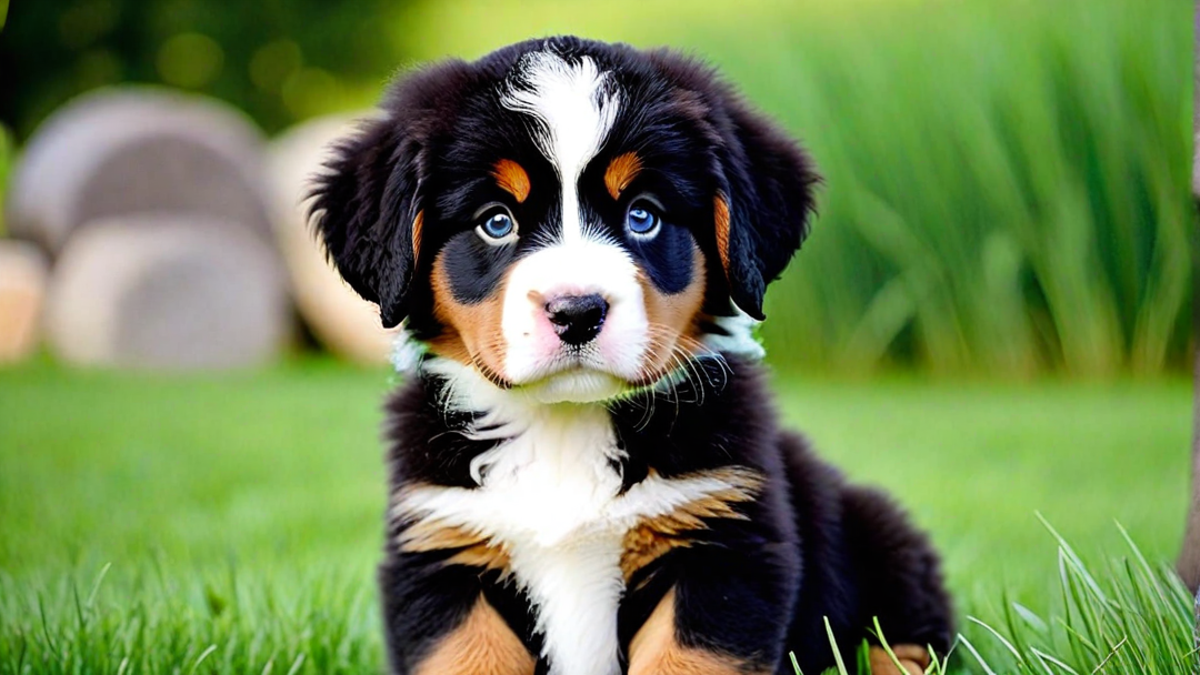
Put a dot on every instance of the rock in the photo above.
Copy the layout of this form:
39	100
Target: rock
23	272
342	321
167	292
130	151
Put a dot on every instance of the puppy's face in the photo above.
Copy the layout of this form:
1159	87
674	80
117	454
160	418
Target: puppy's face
569	217
568	258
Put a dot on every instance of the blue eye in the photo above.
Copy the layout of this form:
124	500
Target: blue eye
497	227
641	219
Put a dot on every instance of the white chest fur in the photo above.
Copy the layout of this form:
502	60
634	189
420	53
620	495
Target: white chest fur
550	498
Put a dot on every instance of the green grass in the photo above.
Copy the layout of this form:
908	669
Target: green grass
6	161
145	519
1007	180
1130	617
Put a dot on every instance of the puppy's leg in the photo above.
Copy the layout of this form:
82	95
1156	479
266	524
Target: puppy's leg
657	650
900	580
437	621
481	644
725	614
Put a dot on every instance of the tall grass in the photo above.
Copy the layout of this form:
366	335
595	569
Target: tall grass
153	620
1129	617
1007	180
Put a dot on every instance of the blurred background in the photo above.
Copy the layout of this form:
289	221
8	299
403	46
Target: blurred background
992	316
1006	181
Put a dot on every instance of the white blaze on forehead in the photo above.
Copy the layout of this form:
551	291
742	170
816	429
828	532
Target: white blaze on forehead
572	106
575	106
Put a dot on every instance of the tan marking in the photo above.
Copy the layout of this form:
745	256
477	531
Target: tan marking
673	320
430	535
482	645
914	660
655	650
474	550
511	178
483	555
427	535
620	173
652	538
472	334
721	218
418	226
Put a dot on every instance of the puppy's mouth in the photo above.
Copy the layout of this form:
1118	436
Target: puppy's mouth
575	375
578	366
582	376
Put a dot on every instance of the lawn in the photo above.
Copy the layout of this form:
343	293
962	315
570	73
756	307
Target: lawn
230	523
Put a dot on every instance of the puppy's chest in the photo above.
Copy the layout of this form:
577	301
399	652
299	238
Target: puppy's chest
551	514
555	482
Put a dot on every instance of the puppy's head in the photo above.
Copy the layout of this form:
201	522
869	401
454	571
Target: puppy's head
566	216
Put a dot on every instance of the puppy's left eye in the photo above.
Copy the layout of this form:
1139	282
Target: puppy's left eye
497	226
643	219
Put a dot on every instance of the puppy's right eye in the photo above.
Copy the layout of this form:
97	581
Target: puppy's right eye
497	226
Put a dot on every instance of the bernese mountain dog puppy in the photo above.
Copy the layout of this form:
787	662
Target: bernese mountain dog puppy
587	476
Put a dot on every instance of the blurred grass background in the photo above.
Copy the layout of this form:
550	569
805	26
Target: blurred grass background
1007	180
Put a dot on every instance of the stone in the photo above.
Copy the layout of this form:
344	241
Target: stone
129	151
167	292
343	322
23	278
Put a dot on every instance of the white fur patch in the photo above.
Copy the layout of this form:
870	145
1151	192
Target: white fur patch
406	352
549	497
575	106
740	340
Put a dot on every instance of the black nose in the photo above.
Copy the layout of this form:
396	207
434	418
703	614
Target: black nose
577	318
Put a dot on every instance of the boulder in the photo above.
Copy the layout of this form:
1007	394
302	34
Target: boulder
343	322
23	272
167	292
128	151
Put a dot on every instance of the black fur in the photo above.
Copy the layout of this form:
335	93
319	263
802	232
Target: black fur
374	187
811	546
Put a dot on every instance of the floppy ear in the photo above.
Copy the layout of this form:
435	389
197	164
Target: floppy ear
367	206
763	203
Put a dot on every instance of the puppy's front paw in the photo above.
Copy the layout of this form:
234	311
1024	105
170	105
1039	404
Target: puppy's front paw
914	660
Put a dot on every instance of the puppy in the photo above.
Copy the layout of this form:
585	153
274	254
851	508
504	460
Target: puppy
587	475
